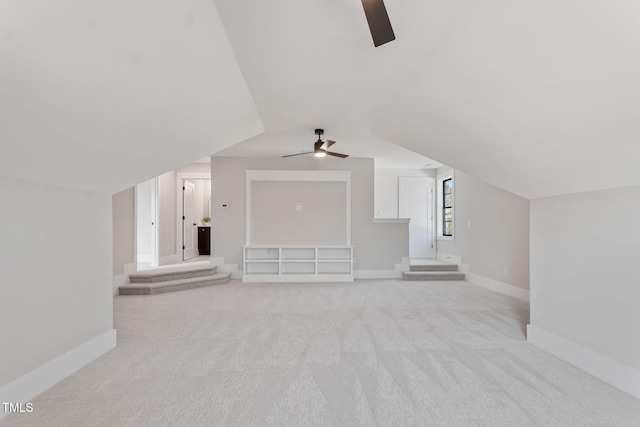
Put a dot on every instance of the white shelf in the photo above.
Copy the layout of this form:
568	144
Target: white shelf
297	263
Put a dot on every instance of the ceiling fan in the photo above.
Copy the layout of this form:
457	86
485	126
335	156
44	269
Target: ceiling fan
379	23
320	148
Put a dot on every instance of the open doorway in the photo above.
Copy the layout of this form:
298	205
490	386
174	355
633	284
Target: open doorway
146	211
196	219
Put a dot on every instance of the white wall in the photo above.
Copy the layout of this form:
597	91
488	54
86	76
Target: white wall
56	263
585	272
386	189
499	234
377	246
106	111
167	215
124	237
322	220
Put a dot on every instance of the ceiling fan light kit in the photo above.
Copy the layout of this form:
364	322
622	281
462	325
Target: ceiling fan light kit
320	148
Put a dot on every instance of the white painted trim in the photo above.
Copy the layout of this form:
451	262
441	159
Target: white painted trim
348	206
302	278
154	259
39	380
247	209
298	175
295	175
391	220
405	182
611	371
378	274
440	178
121	279
180	177
454	259
500	287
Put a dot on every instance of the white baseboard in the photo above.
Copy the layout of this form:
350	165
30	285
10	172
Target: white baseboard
453	259
39	380
378	274
123	278
501	287
302	278
617	374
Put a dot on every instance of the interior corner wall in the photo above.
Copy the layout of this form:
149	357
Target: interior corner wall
167	215
376	246
386	189
56	262
585	249
124	232
498	237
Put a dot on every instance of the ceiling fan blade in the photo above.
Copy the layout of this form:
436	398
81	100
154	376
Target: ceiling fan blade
299	154
379	22
329	143
342	156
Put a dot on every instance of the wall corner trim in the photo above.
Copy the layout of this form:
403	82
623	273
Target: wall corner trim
500	287
39	380
611	371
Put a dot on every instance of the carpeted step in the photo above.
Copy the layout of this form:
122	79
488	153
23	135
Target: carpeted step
432	275
172	273
433	267
174	285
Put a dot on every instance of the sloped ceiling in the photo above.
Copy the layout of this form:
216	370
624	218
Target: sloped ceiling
538	97
101	95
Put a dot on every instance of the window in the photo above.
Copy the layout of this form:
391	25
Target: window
445	195
447	207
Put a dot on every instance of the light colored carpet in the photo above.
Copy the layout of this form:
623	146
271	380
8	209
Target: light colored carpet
387	353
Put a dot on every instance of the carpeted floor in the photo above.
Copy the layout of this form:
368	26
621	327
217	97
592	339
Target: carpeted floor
387	353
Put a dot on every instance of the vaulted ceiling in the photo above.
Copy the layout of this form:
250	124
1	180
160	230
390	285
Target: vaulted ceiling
101	95
538	97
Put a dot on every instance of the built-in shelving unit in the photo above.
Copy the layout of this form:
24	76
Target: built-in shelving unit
264	263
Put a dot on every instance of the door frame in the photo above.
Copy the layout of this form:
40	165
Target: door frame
180	177
188	223
431	232
155	248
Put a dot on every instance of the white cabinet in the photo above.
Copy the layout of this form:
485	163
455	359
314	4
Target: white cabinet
297	263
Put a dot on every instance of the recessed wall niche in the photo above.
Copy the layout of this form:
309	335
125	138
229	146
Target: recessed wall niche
298	208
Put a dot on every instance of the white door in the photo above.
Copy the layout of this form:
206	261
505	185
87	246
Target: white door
416	202
189	224
147	224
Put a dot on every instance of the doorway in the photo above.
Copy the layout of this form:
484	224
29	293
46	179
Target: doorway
195	219
146	207
416	202
189	223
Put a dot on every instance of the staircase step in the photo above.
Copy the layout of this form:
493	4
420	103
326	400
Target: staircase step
433	267
172	273
174	285
432	275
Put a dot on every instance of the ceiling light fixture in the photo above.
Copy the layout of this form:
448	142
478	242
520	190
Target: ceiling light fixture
320	153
